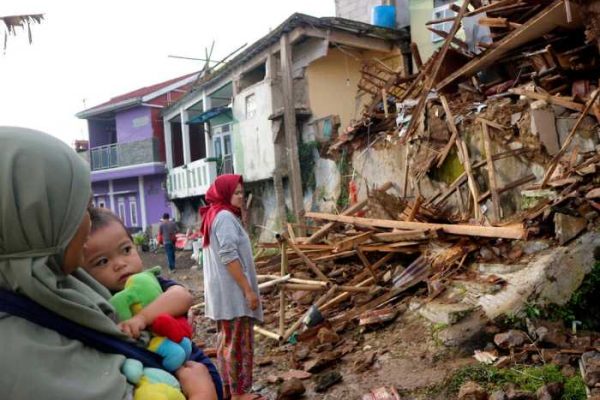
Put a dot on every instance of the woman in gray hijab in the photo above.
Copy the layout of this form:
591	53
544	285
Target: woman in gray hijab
44	193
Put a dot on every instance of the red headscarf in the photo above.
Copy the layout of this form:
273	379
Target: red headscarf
218	198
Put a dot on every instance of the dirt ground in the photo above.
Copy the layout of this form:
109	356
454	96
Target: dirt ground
408	356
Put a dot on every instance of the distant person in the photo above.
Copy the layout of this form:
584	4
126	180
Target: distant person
230	284
166	236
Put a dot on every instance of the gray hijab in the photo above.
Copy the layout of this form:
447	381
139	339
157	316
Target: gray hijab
44	192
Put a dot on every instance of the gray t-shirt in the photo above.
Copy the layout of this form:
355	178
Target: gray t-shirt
167	229
223	297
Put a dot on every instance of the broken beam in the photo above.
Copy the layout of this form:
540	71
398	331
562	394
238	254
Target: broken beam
508	232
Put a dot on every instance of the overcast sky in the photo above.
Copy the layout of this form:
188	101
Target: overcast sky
89	51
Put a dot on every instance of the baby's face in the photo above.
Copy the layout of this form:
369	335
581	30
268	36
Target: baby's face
111	257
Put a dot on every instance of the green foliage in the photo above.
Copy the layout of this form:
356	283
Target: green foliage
524	378
583	305
306	156
574	389
344	168
140	239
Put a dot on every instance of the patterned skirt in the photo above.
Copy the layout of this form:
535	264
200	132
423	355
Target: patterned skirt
235	350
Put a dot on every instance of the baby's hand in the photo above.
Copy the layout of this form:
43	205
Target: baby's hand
133	326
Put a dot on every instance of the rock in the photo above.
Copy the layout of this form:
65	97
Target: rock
319	363
292	389
302	352
568	371
272	379
295	374
535	246
327	336
510	339
263	361
567	227
548	355
363	361
513	394
554	335
326	380
498	395
561	359
472	391
550	391
591	361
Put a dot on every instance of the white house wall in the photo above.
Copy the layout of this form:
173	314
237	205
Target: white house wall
253	136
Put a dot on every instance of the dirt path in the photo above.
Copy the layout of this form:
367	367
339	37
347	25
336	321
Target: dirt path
407	355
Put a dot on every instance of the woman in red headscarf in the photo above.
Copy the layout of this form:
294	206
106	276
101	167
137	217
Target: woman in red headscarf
230	284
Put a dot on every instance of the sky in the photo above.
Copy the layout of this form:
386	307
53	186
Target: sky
86	52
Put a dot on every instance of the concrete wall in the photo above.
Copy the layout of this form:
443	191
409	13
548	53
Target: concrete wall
361	10
253	136
134	124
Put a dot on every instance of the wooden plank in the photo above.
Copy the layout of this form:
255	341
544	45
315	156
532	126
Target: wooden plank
414	49
557	100
349	211
487	145
366	263
545	21
453	130
418	234
291	134
471	182
415	208
493	22
567	142
351	242
515	231
282	299
309	263
492	124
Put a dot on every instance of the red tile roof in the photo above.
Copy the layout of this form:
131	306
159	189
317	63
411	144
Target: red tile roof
138	93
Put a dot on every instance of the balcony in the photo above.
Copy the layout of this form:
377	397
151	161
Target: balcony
124	154
192	179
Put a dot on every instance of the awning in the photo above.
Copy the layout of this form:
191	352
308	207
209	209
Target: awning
208	115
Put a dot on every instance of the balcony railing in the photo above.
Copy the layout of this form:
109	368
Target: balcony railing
124	154
192	179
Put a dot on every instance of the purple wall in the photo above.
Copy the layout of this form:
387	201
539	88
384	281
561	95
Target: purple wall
101	133
134	124
156	198
154	192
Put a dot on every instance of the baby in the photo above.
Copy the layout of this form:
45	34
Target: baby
111	258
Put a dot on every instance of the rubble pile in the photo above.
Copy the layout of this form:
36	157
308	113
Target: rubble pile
500	132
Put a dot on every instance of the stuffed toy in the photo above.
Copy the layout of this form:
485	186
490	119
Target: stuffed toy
151	383
172	336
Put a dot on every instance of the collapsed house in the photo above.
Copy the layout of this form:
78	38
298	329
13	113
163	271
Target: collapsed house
475	183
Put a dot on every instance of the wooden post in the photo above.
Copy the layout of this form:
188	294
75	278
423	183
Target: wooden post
309	263
279	194
466	162
284	271
491	172
291	135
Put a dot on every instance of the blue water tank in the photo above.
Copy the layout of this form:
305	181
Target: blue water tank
384	16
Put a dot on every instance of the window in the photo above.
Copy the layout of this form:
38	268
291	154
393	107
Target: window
252	76
121	209
221	137
133	211
250	106
441	12
100	202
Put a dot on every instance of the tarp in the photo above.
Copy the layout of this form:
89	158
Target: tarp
208	115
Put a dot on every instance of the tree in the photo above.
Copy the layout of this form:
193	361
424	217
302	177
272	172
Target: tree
11	23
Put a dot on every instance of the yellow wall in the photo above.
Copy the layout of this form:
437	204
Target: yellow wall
421	12
328	90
